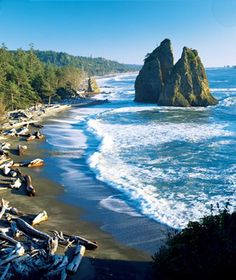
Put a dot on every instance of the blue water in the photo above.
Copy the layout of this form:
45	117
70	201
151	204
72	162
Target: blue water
169	163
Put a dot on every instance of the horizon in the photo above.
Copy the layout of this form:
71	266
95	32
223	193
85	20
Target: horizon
122	30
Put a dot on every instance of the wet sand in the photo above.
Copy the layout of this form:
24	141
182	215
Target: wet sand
112	260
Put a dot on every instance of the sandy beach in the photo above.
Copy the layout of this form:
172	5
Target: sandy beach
112	260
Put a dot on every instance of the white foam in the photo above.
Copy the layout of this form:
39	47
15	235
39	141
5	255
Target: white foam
139	183
65	137
117	205
222	89
228	102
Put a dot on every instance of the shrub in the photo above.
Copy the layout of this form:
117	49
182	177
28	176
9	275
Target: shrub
203	250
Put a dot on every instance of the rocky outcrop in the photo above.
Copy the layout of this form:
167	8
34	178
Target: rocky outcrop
92	86
184	84
154	74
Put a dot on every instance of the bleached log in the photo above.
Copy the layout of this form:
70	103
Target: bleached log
23	131
60	268
5	271
52	245
13	173
5	146
4	158
72	267
17	184
28	229
31	138
29	188
7	163
36	125
21	149
6	170
89	245
16	253
15	231
14	211
39	135
42	216
36	163
4	206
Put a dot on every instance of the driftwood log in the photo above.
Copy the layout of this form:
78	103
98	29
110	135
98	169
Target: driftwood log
21	149
28	229
42	216
29	187
72	267
89	245
31	138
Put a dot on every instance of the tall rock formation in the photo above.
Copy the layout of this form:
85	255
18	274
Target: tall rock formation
184	84
154	74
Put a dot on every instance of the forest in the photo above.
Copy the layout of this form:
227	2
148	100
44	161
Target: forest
92	66
28	77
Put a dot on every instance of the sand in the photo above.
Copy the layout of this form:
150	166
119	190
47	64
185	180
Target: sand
112	260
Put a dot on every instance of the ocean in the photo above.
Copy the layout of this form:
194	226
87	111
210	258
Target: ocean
165	164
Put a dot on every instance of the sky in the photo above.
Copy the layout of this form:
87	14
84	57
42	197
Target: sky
121	30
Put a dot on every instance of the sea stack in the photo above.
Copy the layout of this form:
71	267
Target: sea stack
183	84
156	70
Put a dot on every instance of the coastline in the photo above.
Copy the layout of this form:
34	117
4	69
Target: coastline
65	216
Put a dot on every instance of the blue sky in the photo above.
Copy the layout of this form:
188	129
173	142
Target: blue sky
122	30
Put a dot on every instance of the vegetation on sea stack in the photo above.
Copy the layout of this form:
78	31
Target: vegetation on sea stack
203	250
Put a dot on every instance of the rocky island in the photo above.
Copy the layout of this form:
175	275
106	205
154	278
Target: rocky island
183	84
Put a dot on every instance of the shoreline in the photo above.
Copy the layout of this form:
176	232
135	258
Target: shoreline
63	216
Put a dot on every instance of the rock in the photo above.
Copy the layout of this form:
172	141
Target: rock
183	84
154	74
188	84
92	86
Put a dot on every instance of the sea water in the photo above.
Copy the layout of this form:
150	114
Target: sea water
170	164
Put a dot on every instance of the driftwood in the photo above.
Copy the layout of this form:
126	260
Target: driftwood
72	267
89	245
39	135
4	206
36	163
3	158
8	163
21	149
35	254
5	271
28	229
52	245
29	188
14	211
5	146
23	131
36	125
17	184
16	252
8	239
31	138
33	163
6	170
42	216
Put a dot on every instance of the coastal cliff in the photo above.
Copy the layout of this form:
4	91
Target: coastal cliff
183	84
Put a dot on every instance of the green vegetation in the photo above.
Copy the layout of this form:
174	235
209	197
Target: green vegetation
25	80
204	250
28	77
92	66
